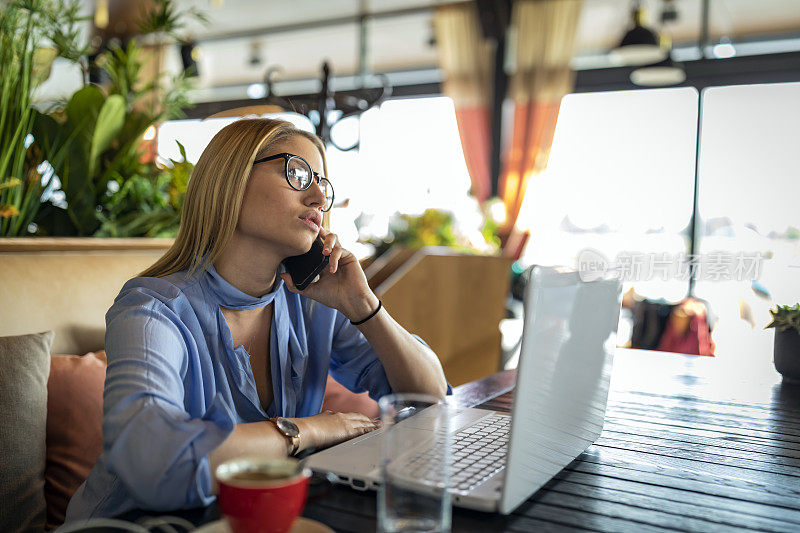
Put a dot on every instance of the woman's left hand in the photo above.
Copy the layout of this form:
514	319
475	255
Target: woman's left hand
342	284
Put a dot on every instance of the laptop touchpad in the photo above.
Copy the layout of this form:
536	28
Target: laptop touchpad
427	419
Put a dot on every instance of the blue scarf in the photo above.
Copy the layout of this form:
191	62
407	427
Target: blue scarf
288	347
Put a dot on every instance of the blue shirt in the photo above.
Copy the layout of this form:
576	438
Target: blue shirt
176	386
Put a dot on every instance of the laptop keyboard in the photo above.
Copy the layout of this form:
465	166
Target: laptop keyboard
479	451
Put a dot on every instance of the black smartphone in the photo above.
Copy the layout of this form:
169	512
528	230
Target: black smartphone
304	268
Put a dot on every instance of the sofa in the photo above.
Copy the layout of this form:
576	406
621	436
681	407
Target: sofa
54	294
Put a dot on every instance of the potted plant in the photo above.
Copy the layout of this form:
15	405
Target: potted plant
786	321
109	185
81	167
24	63
436	227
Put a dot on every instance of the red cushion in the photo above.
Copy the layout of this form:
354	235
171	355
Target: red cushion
74	427
338	398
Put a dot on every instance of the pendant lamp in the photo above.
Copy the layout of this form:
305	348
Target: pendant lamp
640	45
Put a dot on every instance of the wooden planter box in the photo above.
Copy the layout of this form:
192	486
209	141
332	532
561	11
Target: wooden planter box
454	301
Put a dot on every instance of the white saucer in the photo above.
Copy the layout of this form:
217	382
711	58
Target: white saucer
301	525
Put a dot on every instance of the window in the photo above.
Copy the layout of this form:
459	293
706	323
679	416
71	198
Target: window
749	187
195	134
620	181
409	160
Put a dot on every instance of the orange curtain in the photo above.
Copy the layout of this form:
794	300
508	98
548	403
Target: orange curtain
465	57
545	35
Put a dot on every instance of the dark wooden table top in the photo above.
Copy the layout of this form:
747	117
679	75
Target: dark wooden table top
706	444
689	444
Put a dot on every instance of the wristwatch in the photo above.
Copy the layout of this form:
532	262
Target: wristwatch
288	429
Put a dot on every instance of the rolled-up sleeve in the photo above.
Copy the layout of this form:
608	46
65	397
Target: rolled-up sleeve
156	447
355	364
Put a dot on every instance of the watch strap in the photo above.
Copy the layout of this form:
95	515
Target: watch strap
295	442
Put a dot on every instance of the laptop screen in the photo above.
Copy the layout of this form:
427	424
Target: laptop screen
568	344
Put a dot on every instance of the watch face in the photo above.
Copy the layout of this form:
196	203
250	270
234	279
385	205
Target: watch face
287	427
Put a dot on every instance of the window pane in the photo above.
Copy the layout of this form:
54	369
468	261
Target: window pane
748	194
195	134
619	180
410	159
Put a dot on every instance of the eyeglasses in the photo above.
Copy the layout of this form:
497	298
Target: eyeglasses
299	176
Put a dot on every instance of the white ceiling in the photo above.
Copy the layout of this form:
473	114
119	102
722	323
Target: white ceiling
403	42
393	44
602	21
233	16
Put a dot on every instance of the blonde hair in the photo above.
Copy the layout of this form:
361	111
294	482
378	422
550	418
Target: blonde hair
215	191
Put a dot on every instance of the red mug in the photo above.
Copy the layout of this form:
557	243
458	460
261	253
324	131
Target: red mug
262	495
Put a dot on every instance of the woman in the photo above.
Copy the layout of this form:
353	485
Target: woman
213	353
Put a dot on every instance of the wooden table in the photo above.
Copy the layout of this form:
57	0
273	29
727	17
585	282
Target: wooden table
689	444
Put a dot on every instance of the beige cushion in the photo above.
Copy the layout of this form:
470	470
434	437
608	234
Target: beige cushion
24	369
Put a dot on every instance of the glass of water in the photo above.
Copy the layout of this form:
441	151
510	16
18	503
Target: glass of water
415	464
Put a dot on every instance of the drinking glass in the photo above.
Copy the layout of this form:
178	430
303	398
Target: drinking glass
415	464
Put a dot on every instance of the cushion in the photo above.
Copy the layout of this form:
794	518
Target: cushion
24	368
338	398
74	427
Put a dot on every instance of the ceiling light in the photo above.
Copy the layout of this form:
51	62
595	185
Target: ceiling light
256	91
640	45
724	50
659	74
101	14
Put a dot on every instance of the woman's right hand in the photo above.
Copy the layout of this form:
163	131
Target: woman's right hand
329	428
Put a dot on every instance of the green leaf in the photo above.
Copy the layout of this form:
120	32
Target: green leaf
182	150
86	102
785	317
10	182
43	58
109	123
82	111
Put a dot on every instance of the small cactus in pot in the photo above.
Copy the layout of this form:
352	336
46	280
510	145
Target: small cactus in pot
786	321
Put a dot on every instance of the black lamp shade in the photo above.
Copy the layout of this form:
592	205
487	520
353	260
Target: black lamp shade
639	35
639	46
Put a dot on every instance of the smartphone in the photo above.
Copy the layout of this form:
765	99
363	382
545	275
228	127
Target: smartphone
304	268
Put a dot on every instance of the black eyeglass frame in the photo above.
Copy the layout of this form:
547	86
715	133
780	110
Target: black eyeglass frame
288	157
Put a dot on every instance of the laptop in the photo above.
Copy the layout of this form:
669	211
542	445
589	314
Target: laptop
562	383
